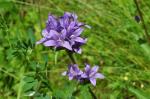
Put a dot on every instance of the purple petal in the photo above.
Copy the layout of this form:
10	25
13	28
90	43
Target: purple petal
80	24
74	16
67	45
78	31
52	20
99	75
93	81
78	50
44	32
50	43
84	75
95	68
70	76
67	14
63	33
55	34
41	41
87	68
71	26
79	39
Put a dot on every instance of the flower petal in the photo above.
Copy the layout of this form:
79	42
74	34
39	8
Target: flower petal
87	68
41	41
74	16
78	50
54	34
70	76
50	43
44	33
84	75
95	68
78	31
79	39
63	33
71	25
99	75
67	45
93	81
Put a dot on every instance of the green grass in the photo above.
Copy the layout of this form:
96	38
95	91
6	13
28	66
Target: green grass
116	42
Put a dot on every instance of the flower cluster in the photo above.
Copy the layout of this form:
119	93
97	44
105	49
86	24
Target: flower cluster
90	74
63	33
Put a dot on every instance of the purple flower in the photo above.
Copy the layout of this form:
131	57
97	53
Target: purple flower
91	74
63	32
73	72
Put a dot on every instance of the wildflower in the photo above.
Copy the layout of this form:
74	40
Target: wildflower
73	72
63	32
91	74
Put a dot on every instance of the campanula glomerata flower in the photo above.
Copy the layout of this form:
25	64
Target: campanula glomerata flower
92	74
73	72
89	74
63	33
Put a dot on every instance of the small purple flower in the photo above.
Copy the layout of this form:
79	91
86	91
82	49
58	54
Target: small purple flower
73	72
63	32
91	74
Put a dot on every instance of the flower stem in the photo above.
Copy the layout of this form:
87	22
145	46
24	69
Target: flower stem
70	54
92	93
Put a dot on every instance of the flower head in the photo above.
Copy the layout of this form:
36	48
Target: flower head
63	32
73	72
91	74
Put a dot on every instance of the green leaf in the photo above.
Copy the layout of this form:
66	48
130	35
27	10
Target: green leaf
139	93
84	92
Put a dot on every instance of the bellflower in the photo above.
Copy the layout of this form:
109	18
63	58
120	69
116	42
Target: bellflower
91	74
63	32
73	72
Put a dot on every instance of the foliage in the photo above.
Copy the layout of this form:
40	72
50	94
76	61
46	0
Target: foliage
116	42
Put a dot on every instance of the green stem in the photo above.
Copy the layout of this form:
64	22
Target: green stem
92	93
70	54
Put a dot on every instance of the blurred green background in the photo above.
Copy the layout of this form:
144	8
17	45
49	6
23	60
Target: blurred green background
116	42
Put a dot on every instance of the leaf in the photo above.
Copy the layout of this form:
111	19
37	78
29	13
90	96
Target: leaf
84	93
28	79
146	49
139	93
31	36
